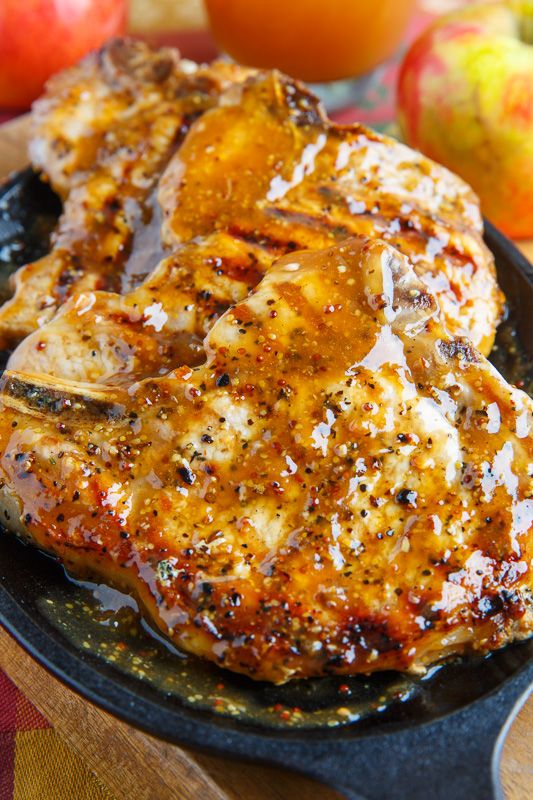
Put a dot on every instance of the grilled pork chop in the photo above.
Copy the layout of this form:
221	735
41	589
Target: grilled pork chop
103	133
342	487
103	337
261	174
268	167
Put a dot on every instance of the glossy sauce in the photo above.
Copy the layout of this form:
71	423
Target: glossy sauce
320	497
261	175
103	135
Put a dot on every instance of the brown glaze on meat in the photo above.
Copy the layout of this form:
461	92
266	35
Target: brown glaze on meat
108	338
103	133
342	487
264	166
268	167
261	174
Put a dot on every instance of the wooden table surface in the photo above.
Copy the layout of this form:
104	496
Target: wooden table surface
135	766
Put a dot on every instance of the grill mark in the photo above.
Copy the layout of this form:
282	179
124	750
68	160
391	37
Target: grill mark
53	401
460	349
264	241
418	232
310	222
246	270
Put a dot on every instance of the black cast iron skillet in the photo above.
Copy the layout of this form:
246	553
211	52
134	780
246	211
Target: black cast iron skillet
408	739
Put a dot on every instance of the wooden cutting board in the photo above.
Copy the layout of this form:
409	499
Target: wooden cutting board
135	766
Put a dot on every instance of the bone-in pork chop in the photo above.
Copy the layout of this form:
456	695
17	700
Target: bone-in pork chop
103	133
342	487
261	174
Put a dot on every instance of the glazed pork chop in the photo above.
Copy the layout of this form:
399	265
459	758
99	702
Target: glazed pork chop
341	487
108	338
261	174
269	167
102	134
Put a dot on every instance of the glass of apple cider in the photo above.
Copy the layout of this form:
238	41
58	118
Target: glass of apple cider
314	40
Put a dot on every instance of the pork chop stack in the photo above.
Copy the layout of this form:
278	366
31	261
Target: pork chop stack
250	386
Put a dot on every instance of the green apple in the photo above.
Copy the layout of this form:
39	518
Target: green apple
465	98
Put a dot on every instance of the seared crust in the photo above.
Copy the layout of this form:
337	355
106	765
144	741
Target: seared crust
266	167
102	134
333	480
341	488
260	174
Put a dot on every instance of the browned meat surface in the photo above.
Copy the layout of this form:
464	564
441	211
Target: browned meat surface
298	467
103	133
341	487
101	337
261	174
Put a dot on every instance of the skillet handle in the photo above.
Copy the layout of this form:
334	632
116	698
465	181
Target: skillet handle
455	757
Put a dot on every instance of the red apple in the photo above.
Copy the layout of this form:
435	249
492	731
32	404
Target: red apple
39	37
465	98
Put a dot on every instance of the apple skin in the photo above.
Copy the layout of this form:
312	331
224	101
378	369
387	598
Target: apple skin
465	99
40	37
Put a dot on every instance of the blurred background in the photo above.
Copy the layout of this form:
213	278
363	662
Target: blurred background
309	39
